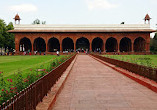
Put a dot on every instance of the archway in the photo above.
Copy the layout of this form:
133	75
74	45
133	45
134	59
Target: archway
139	44
67	44
53	45
82	44
111	45
39	44
25	45
125	45
97	44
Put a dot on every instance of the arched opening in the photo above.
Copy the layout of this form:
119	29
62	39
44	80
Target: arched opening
39	45
82	44
125	45
111	45
53	45
139	44
68	44
97	44
25	45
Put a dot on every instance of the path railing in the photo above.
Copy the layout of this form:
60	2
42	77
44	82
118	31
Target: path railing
144	71
28	98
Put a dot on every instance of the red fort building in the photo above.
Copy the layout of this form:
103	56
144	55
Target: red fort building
109	38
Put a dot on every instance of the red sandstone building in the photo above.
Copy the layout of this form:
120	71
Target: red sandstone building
123	38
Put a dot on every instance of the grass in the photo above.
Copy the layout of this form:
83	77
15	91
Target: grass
18	72
12	64
146	60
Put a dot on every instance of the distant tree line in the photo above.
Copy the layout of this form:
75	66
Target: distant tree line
37	21
153	44
6	38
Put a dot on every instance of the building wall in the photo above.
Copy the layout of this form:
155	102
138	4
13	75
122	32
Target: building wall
89	36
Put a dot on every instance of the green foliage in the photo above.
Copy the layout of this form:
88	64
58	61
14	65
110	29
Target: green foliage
37	21
153	44
10	87
146	60
6	39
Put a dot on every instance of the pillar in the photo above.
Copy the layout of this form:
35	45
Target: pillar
147	47
74	46
118	47
61	49
90	47
46	46
132	47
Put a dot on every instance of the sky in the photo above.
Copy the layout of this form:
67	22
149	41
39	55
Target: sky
80	11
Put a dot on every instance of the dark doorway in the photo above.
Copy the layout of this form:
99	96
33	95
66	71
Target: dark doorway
111	45
82	44
53	45
125	45
139	45
67	44
39	45
25	45
97	44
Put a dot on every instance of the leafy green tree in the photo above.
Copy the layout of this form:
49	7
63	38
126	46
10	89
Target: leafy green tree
2	32
37	21
6	38
153	43
9	40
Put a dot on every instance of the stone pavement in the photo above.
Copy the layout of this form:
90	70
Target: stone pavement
94	86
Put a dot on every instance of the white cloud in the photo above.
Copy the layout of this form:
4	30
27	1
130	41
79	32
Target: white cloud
23	8
100	4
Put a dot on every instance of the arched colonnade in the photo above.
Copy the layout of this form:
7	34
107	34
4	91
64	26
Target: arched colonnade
110	44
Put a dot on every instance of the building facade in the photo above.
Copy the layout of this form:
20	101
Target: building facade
122	38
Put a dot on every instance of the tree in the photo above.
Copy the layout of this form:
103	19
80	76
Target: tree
37	21
6	39
9	40
153	43
2	31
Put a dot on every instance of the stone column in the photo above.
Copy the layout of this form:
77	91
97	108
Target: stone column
118	47
147	47
74	46
61	49
132	47
32	48
17	41
90	47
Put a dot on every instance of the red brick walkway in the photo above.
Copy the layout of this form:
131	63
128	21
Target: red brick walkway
94	86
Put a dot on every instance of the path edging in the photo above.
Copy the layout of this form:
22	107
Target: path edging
49	100
139	79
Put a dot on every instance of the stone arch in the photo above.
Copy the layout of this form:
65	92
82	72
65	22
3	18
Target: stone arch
67	44
39	45
82	43
111	45
25	44
97	44
139	44
125	45
53	45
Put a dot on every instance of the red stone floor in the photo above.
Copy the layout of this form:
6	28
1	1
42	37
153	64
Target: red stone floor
94	86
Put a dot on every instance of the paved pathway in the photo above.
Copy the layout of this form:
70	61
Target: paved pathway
94	86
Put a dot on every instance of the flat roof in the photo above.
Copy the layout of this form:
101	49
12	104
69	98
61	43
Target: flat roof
82	28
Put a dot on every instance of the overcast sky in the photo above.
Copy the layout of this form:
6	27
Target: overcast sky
80	11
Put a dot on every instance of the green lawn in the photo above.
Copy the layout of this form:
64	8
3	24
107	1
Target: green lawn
12	64
147	60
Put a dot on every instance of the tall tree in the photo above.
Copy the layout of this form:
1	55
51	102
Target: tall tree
6	39
9	40
153	43
2	32
37	21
